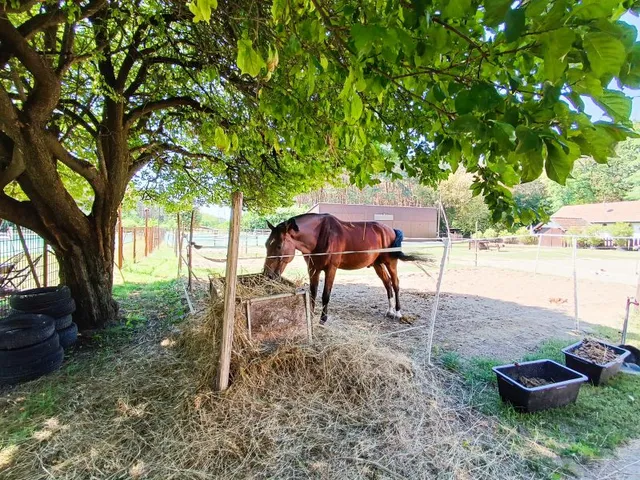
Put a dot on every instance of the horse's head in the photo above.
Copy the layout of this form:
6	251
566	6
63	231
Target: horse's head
280	248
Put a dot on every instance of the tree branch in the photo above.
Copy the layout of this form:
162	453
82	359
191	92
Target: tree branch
21	213
81	167
8	116
44	96
14	169
164	104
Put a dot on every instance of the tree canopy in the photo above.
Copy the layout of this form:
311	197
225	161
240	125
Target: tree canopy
496	86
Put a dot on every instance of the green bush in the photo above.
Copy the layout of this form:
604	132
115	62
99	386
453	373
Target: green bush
489	233
621	230
594	238
525	236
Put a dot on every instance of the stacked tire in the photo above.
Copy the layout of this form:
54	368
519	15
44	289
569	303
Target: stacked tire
29	347
55	302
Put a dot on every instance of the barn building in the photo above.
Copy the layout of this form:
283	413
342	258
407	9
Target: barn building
605	214
415	222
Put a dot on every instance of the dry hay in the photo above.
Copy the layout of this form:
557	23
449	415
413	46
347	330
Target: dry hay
531	382
595	351
345	407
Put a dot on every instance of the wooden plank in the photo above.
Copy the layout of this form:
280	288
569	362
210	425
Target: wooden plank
224	362
32	266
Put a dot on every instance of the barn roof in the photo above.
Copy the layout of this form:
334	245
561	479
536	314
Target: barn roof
627	212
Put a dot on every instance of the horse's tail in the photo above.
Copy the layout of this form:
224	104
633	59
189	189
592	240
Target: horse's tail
400	255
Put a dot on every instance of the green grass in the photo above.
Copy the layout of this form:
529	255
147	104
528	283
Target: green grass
151	301
603	417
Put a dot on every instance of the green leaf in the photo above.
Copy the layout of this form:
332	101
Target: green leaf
456	8
280	9
249	61
485	96
616	104
557	44
465	123
592	9
221	139
630	71
596	142
514	27
464	102
495	11
558	165
606	53
353	108
589	85
365	36
201	9
532	164
528	140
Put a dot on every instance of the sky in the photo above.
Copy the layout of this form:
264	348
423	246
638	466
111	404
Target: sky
591	109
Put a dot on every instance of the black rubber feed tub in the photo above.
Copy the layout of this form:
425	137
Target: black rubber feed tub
597	373
563	389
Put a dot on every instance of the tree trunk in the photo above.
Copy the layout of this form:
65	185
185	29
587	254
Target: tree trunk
90	277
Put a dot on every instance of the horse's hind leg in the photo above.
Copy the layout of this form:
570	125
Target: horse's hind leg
392	266
386	281
329	277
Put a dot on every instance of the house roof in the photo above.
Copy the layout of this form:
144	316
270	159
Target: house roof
627	212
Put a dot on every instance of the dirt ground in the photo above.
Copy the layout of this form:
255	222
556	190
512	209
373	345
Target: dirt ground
490	312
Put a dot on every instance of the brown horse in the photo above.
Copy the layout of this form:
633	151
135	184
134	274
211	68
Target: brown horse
316	235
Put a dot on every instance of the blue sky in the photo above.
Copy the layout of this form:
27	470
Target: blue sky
591	109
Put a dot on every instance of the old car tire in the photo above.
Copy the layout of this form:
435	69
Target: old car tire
38	297
63	322
31	371
31	354
25	329
68	336
56	309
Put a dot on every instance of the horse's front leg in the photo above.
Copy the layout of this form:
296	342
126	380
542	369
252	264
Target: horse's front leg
329	276
314	279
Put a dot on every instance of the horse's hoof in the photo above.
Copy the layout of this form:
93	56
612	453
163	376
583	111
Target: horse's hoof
391	313
323	321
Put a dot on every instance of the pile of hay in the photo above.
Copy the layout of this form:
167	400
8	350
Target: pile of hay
345	407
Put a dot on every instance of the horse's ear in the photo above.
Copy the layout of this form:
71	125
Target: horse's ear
270	226
292	225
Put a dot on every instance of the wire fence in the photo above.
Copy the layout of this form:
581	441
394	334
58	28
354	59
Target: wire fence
26	261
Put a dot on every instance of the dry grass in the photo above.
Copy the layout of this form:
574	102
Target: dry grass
345	407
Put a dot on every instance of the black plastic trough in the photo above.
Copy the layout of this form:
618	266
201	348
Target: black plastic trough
562	391
597	373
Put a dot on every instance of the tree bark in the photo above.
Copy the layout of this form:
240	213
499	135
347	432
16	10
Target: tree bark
89	275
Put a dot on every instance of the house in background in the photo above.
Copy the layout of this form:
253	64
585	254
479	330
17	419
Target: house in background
604	214
415	222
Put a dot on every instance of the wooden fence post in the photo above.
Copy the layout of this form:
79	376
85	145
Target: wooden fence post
45	263
228	319
134	244
146	232
32	267
120	239
191	250
179	246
